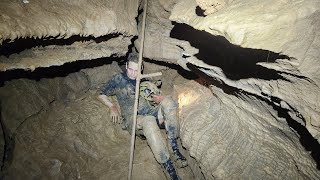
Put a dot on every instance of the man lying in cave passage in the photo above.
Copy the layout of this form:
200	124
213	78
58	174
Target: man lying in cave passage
151	104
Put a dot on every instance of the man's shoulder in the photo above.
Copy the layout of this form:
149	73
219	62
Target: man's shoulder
118	77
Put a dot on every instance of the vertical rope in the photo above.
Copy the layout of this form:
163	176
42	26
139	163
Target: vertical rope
133	134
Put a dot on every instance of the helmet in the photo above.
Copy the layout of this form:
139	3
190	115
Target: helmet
148	88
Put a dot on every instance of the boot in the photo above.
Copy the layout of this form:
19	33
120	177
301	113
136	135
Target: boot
180	160
170	171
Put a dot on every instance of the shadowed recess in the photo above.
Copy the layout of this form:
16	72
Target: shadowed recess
200	12
54	71
184	73
19	45
236	62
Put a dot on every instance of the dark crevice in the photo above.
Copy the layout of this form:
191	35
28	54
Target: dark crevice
19	45
184	73
299	76
200	12
306	139
131	49
208	80
54	71
140	12
236	62
8	148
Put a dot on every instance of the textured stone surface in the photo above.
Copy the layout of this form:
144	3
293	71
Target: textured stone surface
211	6
97	76
289	27
77	140
158	44
63	19
61	130
69	31
239	137
47	56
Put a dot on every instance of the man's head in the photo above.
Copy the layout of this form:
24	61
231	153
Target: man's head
132	66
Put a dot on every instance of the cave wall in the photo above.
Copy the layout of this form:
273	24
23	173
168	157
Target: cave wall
286	33
239	137
24	100
57	32
61	131
274	72
290	28
287	28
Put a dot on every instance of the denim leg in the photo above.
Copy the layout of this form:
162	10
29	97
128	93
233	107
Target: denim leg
155	140
170	110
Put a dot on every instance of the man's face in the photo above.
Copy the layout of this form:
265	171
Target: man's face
132	70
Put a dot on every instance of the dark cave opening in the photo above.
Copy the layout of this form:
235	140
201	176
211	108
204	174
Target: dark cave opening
184	73
236	62
72	67
7	48
55	71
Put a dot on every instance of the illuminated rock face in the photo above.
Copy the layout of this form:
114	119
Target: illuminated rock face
287	27
274	72
237	133
239	137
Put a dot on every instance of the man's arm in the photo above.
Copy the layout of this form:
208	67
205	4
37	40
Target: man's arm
109	90
115	115
104	99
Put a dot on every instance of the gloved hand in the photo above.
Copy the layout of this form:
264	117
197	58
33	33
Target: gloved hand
115	115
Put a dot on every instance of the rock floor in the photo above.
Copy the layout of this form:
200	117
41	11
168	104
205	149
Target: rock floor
76	140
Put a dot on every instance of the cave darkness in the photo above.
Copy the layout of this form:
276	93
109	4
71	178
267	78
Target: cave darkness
236	62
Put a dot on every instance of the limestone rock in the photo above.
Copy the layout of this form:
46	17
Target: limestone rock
289	27
231	139
47	33
66	133
39	19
